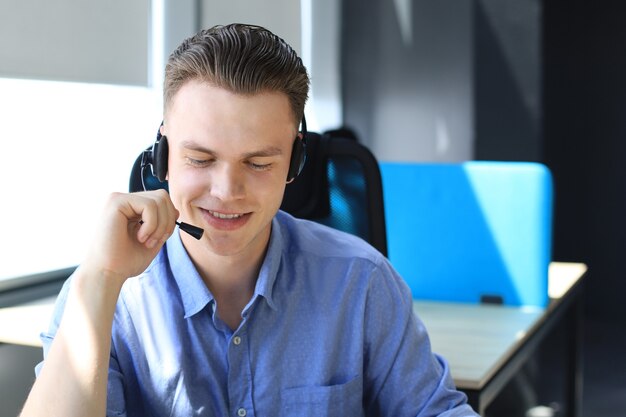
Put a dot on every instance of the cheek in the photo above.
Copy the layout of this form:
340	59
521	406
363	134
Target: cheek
266	187
277	194
184	185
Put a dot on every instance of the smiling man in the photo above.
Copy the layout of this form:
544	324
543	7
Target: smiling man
265	315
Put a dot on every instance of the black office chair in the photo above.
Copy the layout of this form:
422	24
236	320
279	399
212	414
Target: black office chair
340	186
344	132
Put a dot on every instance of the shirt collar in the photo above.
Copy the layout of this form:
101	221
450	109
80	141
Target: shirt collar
269	267
194	292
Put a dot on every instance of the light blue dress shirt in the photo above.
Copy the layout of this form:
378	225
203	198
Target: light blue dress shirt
329	331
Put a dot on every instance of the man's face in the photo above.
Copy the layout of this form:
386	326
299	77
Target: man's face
228	160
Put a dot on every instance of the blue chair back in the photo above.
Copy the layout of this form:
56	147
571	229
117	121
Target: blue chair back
471	232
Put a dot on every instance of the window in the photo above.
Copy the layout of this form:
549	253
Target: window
67	143
80	97
65	147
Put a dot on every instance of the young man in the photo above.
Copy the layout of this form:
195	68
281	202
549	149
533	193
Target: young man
265	315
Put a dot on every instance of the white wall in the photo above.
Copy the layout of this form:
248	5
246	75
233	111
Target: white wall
280	16
321	53
312	28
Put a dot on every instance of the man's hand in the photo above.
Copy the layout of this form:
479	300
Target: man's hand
133	229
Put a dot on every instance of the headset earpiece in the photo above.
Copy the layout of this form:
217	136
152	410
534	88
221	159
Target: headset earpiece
298	153
298	157
158	157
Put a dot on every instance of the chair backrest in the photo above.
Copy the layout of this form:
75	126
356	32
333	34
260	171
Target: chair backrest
471	232
340	186
136	183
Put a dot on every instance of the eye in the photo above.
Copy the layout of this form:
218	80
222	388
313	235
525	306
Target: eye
197	162
259	167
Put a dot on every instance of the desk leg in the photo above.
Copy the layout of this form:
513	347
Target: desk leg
473	399
575	363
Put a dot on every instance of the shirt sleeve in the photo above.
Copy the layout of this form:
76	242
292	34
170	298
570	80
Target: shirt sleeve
116	401
402	376
115	389
48	336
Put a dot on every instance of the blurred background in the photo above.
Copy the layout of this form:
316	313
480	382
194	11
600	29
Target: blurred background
416	80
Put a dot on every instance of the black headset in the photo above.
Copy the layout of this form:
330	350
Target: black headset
156	157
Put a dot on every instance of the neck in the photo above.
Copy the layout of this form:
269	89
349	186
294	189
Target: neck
230	278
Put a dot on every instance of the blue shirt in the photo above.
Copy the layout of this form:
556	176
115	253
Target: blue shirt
329	331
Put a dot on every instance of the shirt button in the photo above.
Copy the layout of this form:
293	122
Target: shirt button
237	341
241	412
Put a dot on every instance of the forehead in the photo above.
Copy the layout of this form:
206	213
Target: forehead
229	124
200	102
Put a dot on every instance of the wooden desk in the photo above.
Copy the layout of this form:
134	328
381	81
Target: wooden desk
486	345
21	325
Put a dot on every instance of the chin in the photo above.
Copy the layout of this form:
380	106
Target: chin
225	245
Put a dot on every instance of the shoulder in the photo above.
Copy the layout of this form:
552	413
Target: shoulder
335	259
315	239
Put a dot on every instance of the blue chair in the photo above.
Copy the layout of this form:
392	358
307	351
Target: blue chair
471	232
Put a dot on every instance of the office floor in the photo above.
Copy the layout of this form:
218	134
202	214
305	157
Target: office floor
604	370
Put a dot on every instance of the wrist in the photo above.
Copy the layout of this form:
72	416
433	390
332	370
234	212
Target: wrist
102	282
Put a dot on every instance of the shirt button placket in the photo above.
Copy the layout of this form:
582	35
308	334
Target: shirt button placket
239	379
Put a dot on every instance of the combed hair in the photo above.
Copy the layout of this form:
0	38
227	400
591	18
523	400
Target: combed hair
244	59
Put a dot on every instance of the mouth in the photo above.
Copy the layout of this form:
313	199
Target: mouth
225	216
225	221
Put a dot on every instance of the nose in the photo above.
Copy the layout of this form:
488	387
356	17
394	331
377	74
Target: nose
227	183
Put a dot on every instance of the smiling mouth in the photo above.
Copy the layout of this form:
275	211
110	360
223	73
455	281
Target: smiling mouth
224	216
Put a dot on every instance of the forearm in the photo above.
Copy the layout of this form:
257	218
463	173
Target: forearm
73	380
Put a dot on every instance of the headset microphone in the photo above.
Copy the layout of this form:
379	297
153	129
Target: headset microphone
192	230
186	227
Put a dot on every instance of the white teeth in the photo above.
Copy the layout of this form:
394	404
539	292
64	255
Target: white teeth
224	216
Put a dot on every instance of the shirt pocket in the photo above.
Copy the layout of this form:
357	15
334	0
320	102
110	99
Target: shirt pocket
342	400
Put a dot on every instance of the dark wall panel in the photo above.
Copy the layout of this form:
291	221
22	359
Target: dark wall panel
507	79
585	129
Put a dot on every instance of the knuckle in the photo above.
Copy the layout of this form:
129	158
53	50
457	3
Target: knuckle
161	193
152	204
114	197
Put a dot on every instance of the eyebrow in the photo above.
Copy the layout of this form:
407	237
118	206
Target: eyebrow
265	152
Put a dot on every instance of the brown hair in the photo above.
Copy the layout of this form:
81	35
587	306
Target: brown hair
244	59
